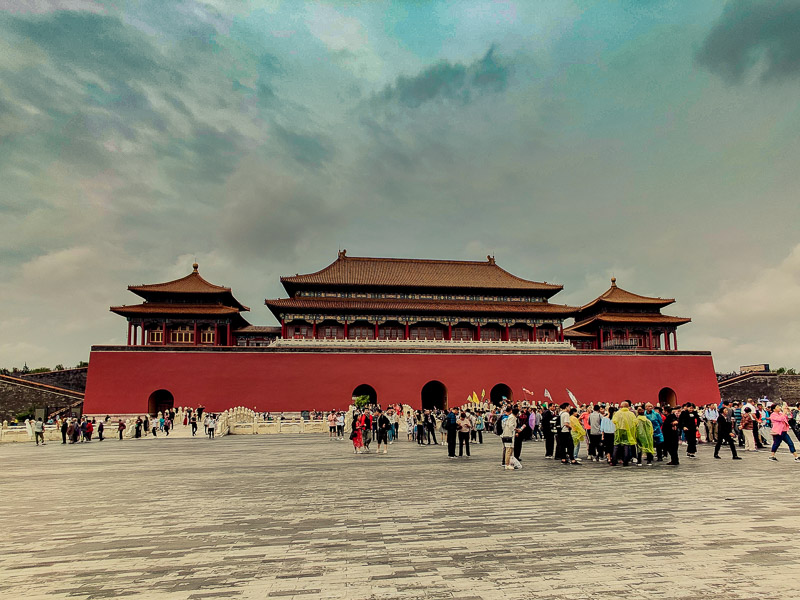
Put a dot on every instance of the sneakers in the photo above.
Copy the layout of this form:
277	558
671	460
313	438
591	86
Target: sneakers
384	451
509	468
797	459
773	459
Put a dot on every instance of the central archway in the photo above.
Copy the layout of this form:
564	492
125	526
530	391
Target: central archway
499	392
160	401
366	390
667	397
434	395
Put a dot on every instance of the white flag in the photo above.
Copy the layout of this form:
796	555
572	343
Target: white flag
547	395
573	398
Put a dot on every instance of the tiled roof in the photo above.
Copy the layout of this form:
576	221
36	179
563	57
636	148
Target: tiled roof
259	329
570	332
193	283
413	305
653	319
156	308
417	273
616	295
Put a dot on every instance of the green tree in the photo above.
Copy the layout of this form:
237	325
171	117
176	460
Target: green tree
58	367
781	370
791	371
82	364
361	401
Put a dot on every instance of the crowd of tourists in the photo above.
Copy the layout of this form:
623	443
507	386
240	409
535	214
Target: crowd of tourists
624	434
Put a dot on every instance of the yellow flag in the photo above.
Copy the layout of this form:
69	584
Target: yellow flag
474	397
483	394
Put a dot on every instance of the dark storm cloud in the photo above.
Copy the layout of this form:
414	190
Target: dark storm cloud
448	81
754	33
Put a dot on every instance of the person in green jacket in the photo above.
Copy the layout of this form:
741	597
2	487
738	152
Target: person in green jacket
625	434
644	438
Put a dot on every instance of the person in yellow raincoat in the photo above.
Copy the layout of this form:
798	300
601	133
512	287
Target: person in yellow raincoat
625	435
644	438
578	432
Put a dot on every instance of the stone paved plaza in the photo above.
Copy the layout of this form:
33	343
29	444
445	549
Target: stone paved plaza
298	516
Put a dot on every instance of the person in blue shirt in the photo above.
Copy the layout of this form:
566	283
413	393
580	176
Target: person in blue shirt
658	435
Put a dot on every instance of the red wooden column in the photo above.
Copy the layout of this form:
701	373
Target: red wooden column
314	330
129	333
535	334
601	338
216	334
530	333
283	328
406	334
346	330
230	334
478	333
666	340
508	334
195	332
649	339
141	326
561	332
675	338
376	330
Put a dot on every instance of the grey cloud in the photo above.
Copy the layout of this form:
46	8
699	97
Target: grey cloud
448	81
753	33
309	150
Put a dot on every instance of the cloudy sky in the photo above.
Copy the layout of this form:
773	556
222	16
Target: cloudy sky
654	140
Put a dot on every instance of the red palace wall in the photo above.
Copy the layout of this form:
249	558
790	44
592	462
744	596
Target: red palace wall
121	382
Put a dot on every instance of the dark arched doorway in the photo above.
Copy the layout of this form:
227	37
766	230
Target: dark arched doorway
160	401
667	397
434	395
500	392
366	390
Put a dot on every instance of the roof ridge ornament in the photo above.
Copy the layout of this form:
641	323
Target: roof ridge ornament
490	258
343	253
613	282
194	267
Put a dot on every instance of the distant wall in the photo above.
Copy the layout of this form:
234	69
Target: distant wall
18	395
771	385
69	379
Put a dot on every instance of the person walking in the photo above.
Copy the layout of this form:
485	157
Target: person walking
464	427
355	433
193	423
167	425
780	433
725	433
38	430
64	427
212	426
120	428
688	424
100	428
384	425
340	425
747	429
564	443
711	415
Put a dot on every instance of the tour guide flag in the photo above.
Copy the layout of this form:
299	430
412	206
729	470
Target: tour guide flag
483	393
547	395
573	398
475	397
527	391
